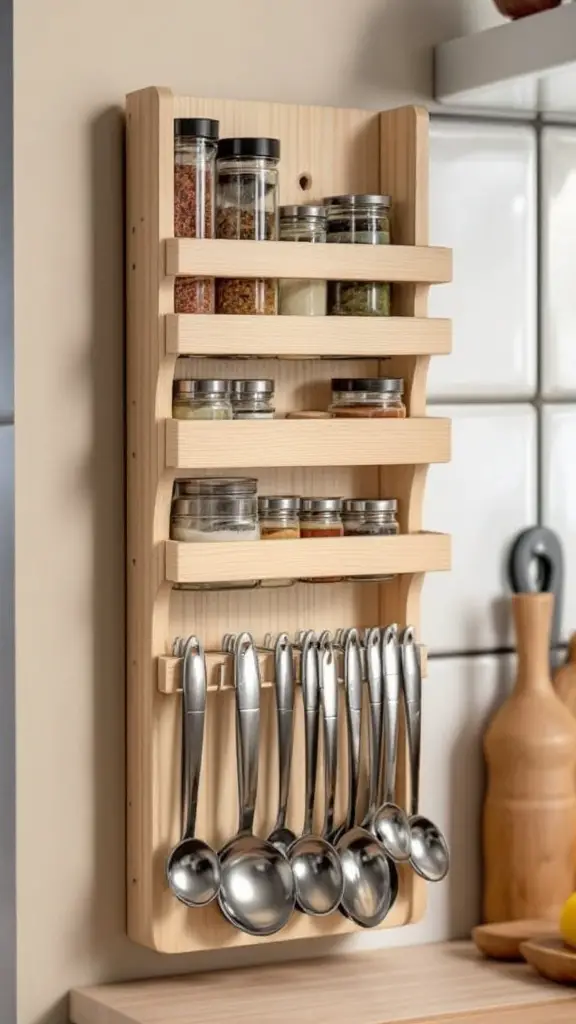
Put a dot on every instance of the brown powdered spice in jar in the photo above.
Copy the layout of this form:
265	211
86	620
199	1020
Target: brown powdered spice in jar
367	398
195	141
240	295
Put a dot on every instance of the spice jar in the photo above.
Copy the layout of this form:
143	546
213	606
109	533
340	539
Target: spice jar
201	400
359	220
374	517
279	518
367	397
319	518
253	399
302	224
211	509
195	143
247	208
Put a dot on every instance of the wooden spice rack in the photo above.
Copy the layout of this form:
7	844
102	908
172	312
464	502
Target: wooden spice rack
337	151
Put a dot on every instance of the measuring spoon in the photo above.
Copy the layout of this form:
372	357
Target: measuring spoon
429	854
193	868
315	864
390	821
368	894
257	888
281	836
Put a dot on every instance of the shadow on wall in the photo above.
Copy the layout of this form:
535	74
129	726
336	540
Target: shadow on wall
395	55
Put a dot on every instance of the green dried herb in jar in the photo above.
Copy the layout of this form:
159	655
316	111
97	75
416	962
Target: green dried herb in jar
359	220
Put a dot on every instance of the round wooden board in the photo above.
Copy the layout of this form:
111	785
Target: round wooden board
502	940
551	958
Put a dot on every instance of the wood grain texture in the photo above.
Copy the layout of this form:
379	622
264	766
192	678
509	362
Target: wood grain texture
530	806
341	152
551	958
502	940
195	445
436	983
293	336
220	257
565	678
268	560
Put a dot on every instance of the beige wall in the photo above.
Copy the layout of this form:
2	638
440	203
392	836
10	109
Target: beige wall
74	61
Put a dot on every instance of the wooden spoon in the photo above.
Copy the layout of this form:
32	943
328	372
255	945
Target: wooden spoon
551	958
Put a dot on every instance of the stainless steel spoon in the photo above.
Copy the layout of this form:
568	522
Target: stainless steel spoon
193	868
315	864
281	836
429	854
390	821
257	892
367	893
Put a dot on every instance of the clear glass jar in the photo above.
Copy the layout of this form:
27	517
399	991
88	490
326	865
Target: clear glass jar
370	517
359	220
301	297
247	208
321	518
215	509
367	398
195	144
374	517
202	399
252	399
279	518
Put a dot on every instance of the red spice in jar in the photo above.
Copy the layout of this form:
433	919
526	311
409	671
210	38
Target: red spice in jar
194	179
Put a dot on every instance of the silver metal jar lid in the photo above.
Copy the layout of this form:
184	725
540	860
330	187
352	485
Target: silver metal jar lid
216	486
383	385
302	212
321	504
358	200
203	386
355	505
242	388
271	503
223	505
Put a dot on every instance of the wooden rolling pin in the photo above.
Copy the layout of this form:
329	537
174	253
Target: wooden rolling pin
565	678
530	806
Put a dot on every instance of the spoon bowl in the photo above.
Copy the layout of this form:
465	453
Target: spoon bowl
392	828
317	875
430	856
368	889
193	872
257	887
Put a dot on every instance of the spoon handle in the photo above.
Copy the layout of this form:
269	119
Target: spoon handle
193	710
353	693
391	676
412	689
247	684
311	699
374	669
284	684
329	692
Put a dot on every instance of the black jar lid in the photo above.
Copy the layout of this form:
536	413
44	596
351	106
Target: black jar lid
253	147
196	127
383	385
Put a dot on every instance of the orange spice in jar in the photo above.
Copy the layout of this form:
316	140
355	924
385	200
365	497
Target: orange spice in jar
279	517
367	398
320	518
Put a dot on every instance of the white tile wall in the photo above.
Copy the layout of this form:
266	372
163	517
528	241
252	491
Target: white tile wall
482	497
559	263
459	697
559	494
483	205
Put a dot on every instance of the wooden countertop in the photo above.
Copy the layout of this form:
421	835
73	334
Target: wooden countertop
437	983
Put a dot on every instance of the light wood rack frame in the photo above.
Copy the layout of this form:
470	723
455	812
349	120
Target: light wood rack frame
331	151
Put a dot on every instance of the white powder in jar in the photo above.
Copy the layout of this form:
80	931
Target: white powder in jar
302	298
190	535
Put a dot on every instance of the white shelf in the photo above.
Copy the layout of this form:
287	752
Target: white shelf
526	66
